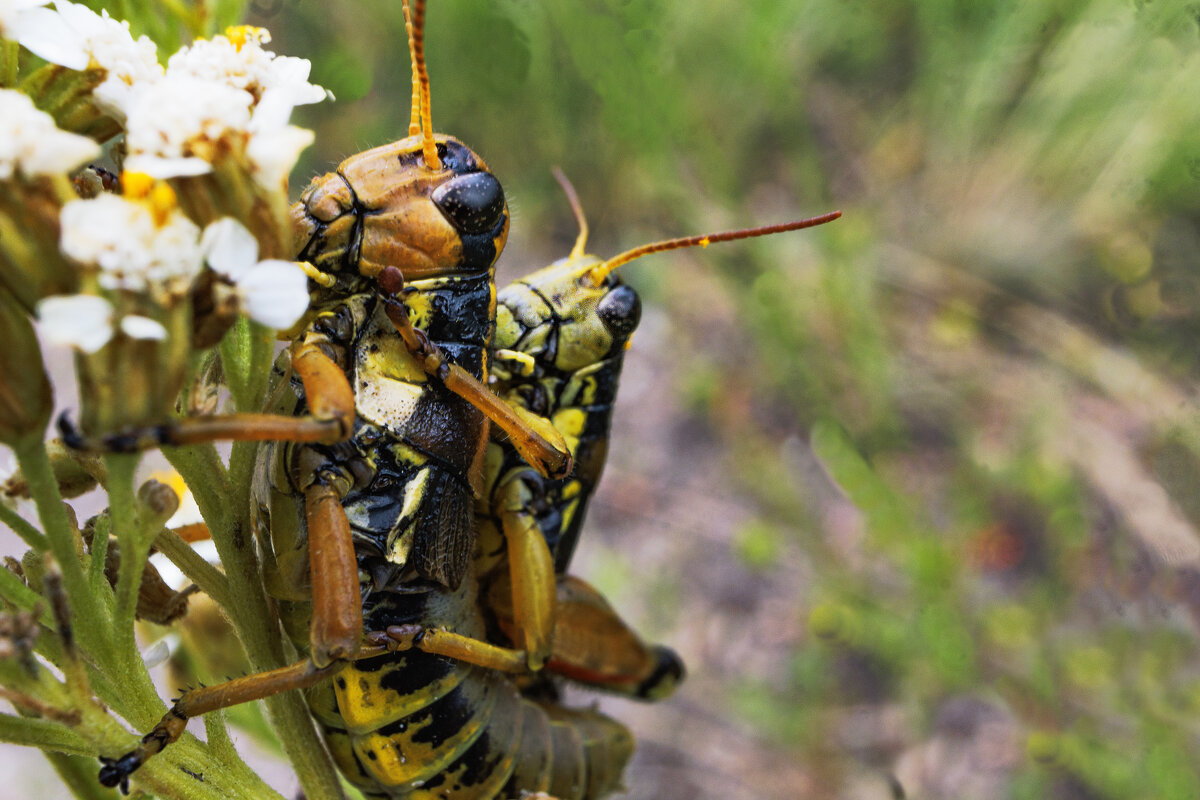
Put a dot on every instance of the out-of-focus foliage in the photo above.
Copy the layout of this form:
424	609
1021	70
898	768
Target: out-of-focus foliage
951	440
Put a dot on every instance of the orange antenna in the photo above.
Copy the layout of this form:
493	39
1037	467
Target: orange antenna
421	121
602	270
576	209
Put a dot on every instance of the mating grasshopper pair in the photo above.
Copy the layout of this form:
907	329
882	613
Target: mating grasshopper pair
377	475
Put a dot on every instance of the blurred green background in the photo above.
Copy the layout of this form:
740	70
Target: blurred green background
914	494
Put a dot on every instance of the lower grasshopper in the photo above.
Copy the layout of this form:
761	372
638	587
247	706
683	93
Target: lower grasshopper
560	344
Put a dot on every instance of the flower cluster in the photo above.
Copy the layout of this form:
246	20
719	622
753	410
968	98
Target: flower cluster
154	265
146	245
213	92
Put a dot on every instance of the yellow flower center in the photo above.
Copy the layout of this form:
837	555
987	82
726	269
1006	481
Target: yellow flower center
240	35
136	184
156	195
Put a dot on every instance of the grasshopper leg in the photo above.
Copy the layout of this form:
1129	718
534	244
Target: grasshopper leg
335	635
193	703
594	646
330	418
533	437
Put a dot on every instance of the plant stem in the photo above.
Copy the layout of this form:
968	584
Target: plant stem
61	536
135	549
21	527
8	63
42	733
97	579
210	579
227	513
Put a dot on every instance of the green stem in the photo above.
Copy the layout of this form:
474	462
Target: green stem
43	734
262	355
260	632
9	55
226	510
60	533
218	738
22	527
135	550
206	477
97	578
235	361
125	526
210	579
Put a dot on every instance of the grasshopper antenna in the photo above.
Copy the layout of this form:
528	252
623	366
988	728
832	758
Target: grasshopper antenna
421	121
602	270
576	209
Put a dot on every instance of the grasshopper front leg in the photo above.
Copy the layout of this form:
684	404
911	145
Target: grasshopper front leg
330	418
533	437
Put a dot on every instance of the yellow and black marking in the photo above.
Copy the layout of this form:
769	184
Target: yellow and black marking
416	725
408	474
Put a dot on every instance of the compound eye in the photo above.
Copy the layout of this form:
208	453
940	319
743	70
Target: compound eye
474	203
620	310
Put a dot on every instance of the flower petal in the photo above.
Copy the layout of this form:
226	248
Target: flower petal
229	248
31	144
274	152
274	293
162	167
83	321
138	327
45	33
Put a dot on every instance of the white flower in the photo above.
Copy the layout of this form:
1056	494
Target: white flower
32	145
82	321
13	15
76	37
42	31
272	292
131	248
174	124
85	322
274	145
245	65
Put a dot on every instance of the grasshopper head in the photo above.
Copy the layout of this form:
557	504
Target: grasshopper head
386	207
426	205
